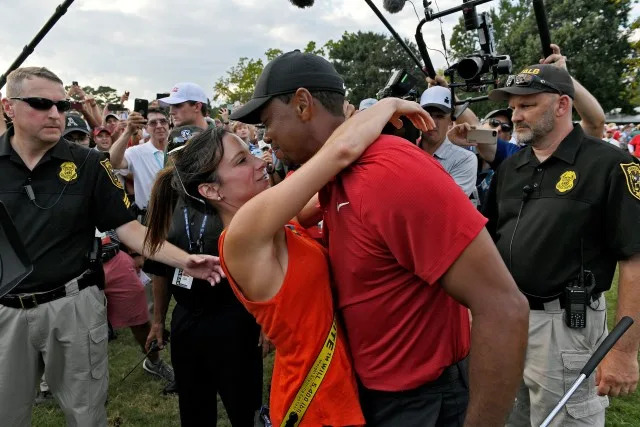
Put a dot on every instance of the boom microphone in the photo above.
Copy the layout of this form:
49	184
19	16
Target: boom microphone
543	27
393	6
302	3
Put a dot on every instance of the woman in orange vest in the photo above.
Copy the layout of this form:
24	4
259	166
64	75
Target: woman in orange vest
279	273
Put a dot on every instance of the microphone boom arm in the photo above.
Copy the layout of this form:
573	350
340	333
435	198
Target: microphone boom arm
397	36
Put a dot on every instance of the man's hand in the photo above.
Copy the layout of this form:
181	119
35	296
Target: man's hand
438	81
224	115
156	333
556	58
617	374
266	344
134	123
458	135
205	267
124	97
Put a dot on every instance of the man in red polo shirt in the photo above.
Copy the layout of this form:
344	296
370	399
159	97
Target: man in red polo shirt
409	253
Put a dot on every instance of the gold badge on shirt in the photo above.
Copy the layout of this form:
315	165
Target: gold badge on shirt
68	172
566	182
632	174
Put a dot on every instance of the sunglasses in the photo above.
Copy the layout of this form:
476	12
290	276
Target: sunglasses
505	127
44	104
532	81
160	122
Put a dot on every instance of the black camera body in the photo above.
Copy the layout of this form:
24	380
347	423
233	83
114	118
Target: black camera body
474	66
401	85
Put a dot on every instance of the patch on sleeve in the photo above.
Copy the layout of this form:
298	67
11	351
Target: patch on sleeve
632	174
106	164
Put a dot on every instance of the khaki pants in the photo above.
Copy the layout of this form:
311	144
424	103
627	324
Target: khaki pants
555	356
67	338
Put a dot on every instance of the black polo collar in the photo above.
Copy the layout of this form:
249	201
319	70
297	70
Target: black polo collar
566	151
61	150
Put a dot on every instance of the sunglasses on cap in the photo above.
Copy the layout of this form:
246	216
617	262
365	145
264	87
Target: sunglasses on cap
44	104
532	81
505	127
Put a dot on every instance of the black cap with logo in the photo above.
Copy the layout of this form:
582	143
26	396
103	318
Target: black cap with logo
536	79
286	74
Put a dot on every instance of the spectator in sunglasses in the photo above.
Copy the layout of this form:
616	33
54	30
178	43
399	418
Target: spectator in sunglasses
500	120
76	130
144	160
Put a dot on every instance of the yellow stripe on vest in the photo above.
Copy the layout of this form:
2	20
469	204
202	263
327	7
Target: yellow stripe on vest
313	380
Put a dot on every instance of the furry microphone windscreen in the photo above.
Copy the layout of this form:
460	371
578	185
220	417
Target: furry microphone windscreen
393	6
302	3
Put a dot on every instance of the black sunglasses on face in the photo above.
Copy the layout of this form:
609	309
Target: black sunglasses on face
505	127
44	104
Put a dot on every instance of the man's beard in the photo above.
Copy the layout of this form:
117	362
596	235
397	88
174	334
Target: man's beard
537	131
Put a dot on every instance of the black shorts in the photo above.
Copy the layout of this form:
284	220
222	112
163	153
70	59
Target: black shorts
442	402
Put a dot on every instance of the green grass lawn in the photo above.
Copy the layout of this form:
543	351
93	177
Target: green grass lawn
139	401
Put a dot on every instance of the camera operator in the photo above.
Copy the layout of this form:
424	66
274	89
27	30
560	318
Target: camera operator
569	186
586	105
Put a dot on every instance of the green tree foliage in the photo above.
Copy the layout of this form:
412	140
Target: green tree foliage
102	94
240	80
593	34
366	61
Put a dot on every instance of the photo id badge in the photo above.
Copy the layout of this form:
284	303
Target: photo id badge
181	279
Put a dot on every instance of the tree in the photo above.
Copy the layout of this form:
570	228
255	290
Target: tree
103	94
366	60
593	34
240	80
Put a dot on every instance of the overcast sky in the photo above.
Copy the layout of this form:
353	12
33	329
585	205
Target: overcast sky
146	46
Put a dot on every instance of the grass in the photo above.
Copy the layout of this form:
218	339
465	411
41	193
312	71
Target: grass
139	400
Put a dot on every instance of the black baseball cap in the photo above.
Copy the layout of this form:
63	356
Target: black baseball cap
286	74
507	112
75	123
536	79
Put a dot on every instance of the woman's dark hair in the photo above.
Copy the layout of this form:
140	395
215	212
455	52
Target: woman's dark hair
195	164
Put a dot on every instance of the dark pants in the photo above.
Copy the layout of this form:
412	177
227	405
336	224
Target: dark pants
216	352
441	403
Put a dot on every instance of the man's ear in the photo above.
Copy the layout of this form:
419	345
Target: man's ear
303	104
564	105
8	108
209	191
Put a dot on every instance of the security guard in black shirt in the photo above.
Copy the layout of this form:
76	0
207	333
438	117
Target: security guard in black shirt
57	193
563	212
214	339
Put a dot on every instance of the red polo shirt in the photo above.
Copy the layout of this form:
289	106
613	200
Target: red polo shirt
394	222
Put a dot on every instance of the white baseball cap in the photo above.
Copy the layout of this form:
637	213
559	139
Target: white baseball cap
183	92
437	96
366	103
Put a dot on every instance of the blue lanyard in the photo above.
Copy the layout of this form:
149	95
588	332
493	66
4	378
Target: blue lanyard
188	230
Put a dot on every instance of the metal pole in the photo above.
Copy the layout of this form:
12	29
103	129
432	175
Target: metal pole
28	49
395	34
602	350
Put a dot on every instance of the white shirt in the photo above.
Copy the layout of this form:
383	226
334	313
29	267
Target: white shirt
145	164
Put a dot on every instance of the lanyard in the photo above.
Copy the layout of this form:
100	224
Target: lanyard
188	230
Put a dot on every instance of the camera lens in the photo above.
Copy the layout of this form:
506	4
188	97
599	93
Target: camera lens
469	68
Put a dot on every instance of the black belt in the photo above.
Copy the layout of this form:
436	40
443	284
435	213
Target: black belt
26	301
538	303
108	254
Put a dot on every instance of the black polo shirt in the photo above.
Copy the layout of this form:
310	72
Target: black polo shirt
586	193
75	192
202	296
